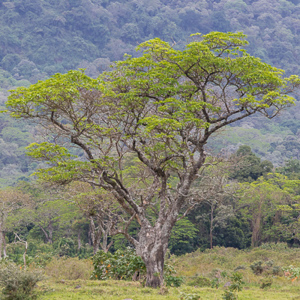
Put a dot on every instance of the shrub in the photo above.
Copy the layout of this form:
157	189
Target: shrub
257	267
266	282
17	283
236	285
228	295
292	272
120	265
175	281
276	270
69	268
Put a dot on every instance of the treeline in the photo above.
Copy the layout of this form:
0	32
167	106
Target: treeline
259	205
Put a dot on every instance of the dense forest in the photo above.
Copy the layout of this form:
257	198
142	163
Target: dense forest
41	38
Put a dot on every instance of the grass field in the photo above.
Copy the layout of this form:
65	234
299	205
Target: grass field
119	290
61	283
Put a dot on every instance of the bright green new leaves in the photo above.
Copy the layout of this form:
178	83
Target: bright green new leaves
60	89
49	152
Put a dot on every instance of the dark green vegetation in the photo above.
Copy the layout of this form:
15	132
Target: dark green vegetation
39	38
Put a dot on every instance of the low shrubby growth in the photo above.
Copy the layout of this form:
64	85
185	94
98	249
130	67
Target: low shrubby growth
199	281
235	285
69	268
18	283
124	265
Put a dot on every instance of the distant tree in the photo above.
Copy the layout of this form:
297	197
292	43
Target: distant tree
10	202
158	110
291	169
263	199
182	237
97	207
250	167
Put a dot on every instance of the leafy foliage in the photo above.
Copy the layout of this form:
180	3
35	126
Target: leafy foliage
17	283
120	265
236	285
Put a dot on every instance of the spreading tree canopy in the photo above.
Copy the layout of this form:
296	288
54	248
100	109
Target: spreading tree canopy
143	127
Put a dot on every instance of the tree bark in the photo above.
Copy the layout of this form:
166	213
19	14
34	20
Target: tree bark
48	239
211	226
256	227
1	246
95	236
50	231
4	244
154	261
79	240
152	247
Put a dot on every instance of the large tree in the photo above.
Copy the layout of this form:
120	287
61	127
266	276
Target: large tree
144	125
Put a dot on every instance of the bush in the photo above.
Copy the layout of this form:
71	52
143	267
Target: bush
266	282
175	281
276	270
17	283
69	268
120	265
236	285
257	267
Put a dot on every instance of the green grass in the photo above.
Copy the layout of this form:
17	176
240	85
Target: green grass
119	290
194	264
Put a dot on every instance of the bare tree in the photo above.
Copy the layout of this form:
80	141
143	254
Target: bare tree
98	209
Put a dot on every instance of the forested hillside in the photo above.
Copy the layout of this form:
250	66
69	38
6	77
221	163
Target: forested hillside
40	38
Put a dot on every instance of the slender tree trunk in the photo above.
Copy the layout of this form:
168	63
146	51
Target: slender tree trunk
1	246
1	240
90	242
4	244
48	240
105	245
50	232
211	226
256	227
79	240
95	236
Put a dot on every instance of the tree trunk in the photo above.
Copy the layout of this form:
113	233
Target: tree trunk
256	227
79	240
4	244
95	235
211	226
152	247
155	268
105	245
48	239
1	246
50	232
